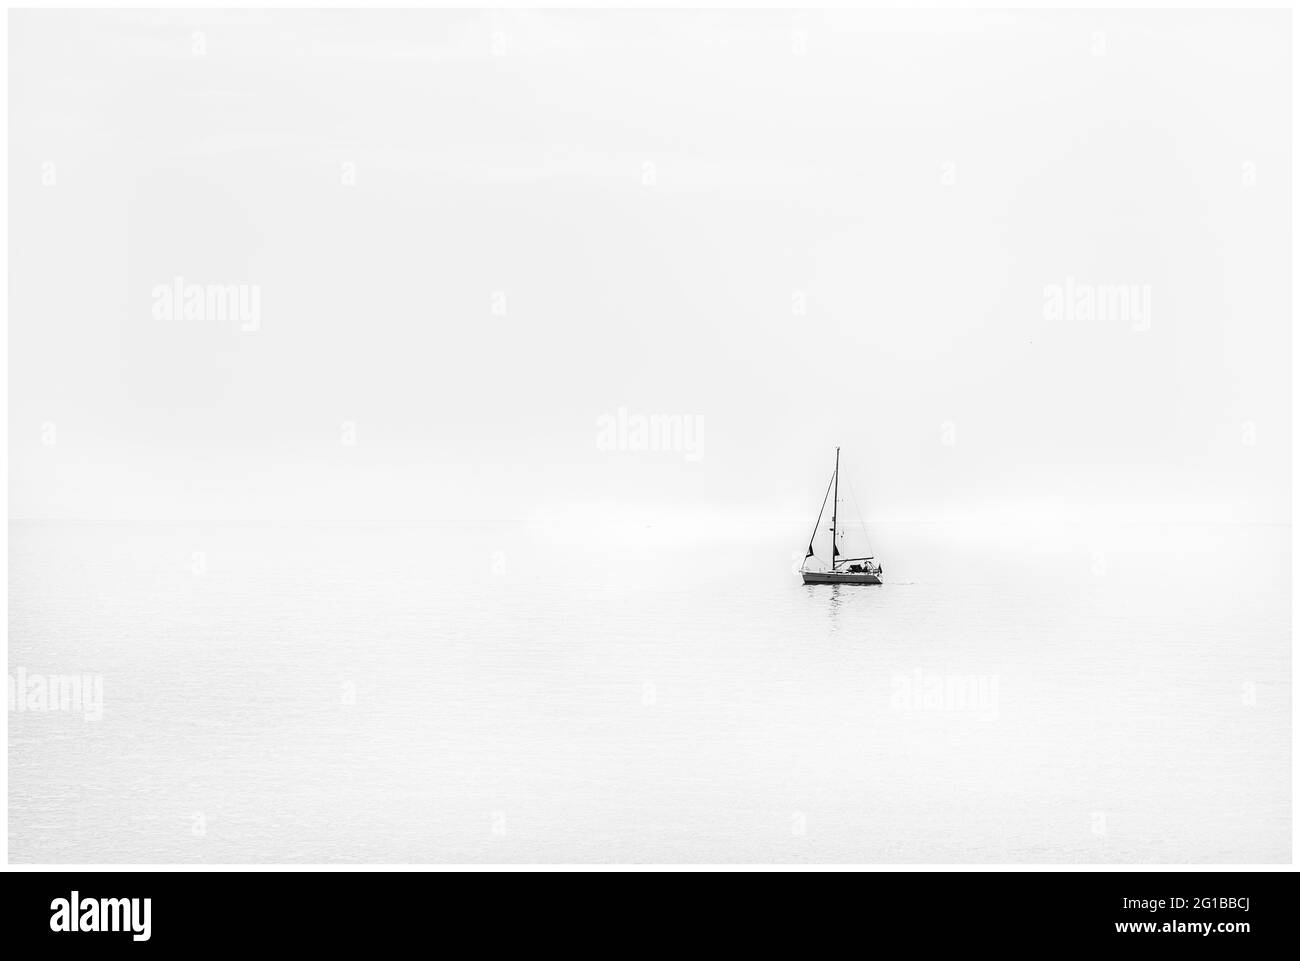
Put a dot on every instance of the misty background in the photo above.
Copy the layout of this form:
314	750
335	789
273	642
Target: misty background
477	234
1029	270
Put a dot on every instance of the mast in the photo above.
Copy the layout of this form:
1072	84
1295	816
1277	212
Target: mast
835	505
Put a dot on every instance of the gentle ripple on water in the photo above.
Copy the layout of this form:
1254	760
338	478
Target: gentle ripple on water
404	693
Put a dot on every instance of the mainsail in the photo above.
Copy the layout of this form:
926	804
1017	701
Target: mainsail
836	530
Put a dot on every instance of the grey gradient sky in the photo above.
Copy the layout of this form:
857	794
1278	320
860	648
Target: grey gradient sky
916	179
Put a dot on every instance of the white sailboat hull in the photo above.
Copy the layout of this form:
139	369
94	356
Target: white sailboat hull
839	577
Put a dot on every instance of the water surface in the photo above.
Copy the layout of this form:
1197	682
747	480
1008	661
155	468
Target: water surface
462	693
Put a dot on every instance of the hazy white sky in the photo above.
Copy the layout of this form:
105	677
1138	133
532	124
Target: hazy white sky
474	235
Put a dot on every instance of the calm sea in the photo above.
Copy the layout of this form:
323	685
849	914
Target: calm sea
462	693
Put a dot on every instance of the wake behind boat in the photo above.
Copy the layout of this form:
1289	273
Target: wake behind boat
842	570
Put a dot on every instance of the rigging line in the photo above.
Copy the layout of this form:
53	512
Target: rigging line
818	523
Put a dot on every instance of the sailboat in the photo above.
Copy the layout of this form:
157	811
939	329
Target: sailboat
843	570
